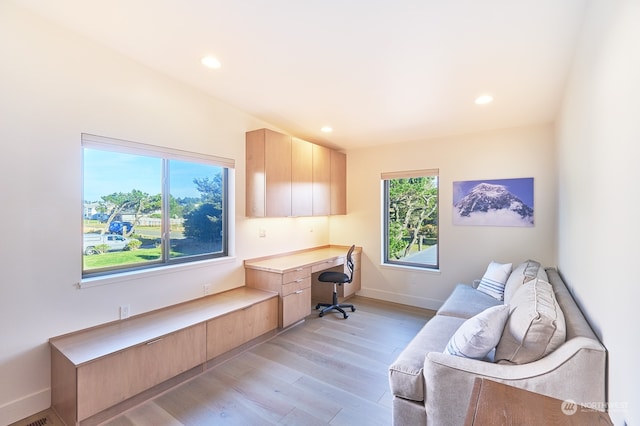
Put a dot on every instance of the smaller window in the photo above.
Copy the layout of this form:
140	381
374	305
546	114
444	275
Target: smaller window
411	218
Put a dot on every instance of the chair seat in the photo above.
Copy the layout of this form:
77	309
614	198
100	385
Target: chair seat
333	277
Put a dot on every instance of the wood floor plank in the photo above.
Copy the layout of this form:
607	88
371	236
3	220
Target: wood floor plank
149	414
324	371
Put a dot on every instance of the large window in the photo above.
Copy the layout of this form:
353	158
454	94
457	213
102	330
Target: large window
411	218
147	206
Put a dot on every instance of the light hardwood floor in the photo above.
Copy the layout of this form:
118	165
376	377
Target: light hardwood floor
324	371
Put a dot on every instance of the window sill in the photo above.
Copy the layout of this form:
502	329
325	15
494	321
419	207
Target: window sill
145	273
409	268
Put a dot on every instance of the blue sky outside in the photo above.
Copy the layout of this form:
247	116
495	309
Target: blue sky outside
520	187
106	172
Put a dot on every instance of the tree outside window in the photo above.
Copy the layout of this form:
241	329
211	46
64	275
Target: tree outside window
411	218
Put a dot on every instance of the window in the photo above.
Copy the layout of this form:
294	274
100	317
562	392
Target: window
146	206
411	218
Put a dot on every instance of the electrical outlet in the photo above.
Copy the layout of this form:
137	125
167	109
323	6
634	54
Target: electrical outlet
206	289
124	311
262	233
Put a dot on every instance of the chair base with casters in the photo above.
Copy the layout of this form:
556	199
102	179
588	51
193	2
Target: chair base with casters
326	307
337	278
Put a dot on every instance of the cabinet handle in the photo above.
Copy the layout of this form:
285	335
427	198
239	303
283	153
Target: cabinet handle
299	291
154	341
299	280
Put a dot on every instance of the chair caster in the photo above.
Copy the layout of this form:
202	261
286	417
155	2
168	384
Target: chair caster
321	314
353	309
346	316
317	306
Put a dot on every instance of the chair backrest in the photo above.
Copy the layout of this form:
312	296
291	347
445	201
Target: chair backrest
350	262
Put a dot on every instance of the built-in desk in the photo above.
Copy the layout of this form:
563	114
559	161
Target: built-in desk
294	277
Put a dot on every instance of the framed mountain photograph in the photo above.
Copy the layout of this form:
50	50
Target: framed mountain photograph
499	202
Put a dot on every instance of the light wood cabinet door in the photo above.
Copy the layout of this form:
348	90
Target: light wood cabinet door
321	180
224	333
296	306
236	328
301	178
268	174
114	378
261	318
338	183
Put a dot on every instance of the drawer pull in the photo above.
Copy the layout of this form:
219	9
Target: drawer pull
299	280
299	291
154	341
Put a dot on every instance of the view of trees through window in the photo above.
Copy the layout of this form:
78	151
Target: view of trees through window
411	219
142	211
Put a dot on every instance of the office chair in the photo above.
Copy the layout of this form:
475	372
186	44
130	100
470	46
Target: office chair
337	278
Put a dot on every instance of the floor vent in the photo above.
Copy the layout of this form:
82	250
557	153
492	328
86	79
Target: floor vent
40	422
43	418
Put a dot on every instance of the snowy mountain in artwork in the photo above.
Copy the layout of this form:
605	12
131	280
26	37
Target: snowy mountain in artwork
489	204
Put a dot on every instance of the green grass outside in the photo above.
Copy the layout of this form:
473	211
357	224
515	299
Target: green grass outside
122	258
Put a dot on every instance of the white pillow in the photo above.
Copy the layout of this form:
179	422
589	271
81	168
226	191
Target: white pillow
494	279
478	335
535	327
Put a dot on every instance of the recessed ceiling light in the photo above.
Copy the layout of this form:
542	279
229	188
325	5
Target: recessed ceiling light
484	99
210	62
326	129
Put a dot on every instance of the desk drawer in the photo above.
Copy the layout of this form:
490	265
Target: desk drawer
299	284
296	274
336	261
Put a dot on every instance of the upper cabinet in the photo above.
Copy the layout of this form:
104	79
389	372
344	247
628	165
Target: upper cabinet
291	177
338	183
268	174
301	178
321	180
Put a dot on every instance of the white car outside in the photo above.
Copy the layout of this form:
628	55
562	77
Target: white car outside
114	241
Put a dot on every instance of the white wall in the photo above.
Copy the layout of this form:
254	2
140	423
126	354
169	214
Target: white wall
598	153
55	85
465	251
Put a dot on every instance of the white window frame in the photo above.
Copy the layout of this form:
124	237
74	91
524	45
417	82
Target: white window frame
136	148
384	179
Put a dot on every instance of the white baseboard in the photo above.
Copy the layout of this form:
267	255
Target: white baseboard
26	406
405	299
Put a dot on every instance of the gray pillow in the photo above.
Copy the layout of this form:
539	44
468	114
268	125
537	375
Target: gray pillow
535	326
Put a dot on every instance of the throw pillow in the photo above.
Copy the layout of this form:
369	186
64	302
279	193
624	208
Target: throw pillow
522	274
535	326
494	279
478	335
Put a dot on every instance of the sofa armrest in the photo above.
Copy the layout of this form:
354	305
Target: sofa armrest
573	371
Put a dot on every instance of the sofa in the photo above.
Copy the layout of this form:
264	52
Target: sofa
523	329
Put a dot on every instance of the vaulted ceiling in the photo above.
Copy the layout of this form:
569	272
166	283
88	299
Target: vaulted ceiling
376	71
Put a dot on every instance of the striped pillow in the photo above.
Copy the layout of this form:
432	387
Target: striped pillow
494	279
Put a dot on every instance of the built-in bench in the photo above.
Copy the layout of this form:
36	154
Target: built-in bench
98	372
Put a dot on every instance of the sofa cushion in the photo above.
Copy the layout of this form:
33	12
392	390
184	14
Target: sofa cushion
478	335
465	302
535	326
405	374
522	274
494	279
